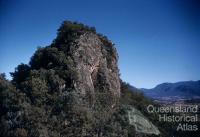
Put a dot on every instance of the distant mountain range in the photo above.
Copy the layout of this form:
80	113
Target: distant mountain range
186	89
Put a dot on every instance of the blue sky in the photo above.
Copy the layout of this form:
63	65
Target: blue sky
157	40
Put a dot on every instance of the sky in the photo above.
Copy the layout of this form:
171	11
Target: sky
157	40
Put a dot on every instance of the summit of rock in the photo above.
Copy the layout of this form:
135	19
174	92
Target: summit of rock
70	88
71	81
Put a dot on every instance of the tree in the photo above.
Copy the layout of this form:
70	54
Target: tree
21	74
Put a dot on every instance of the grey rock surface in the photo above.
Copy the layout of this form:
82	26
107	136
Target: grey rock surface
97	70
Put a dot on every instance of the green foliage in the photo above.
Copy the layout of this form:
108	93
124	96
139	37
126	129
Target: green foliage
21	73
2	75
37	90
48	58
68	32
10	99
69	26
60	67
42	99
134	97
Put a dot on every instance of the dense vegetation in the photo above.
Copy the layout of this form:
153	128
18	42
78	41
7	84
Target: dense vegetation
41	99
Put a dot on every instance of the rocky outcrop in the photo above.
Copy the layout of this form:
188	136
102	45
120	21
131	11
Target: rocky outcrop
96	68
141	123
70	86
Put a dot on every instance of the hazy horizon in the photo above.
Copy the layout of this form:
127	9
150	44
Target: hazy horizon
157	41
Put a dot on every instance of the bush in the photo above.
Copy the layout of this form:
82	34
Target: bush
21	73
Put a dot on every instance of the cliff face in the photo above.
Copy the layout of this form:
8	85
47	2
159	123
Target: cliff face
69	88
96	67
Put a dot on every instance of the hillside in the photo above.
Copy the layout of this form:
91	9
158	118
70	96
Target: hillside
72	88
187	89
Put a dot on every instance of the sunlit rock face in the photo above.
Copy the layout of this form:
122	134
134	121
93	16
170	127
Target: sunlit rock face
96	66
141	123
